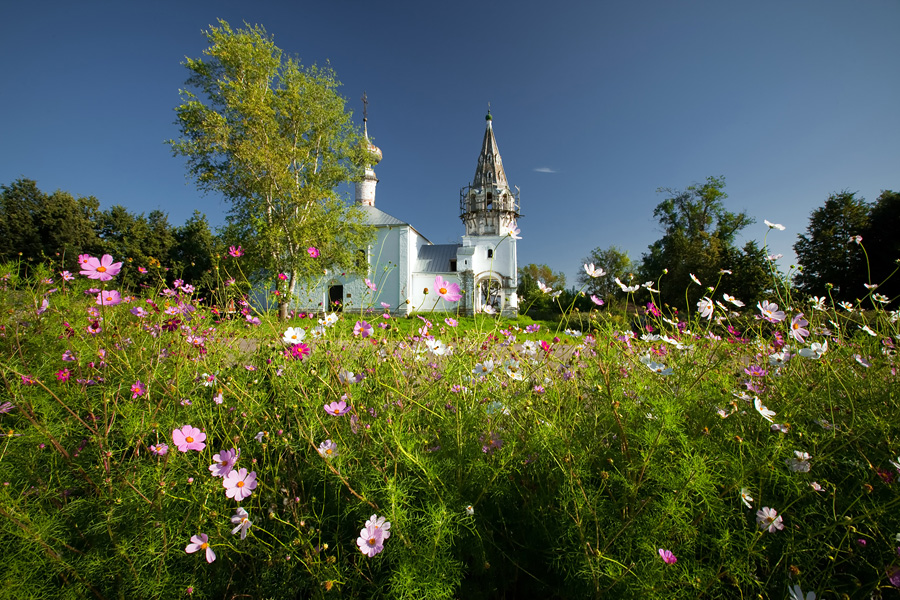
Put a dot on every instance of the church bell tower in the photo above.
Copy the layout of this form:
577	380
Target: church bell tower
489	208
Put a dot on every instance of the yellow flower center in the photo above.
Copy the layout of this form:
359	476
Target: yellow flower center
328	451
204	546
101	269
240	484
189	440
224	463
443	290
372	541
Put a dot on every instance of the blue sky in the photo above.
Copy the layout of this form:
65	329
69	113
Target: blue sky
596	105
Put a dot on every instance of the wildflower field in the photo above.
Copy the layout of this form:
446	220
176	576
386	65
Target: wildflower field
156	444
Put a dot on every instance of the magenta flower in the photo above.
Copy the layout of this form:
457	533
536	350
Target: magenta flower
63	375
188	438
337	409
362	329
239	484
235	251
297	351
667	556
201	542
103	269
138	389
109	298
446	290
225	461
313	251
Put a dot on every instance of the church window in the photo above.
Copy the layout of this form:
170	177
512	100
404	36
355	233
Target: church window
453	265
490	253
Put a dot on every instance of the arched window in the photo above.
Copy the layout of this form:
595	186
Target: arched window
489	293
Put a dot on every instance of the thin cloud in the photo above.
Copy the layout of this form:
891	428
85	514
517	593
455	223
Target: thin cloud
544	170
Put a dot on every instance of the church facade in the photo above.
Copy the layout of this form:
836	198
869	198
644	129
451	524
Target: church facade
403	263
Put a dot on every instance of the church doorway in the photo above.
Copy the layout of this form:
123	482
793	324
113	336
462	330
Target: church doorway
489	294
336	298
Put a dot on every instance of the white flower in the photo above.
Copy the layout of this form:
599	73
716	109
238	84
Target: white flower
733	300
573	333
514	234
694	278
594	271
769	519
329	320
513	370
868	330
706	307
796	593
746	498
470	510
815	351
655	366
544	288
627	288
846	306
818	302
294	335
436	347
896	466
777	226
800	462
649	287
259	436
483	368
880	298
488	309
765	412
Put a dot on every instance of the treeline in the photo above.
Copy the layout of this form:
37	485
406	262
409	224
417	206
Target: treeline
35	225
850	251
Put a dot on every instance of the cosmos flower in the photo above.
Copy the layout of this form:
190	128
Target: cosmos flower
447	290
201	542
733	300
337	409
362	329
798	328
800	462
746	498
313	251
235	251
706	307
770	312
815	350
242	522
370	541
761	409
594	271
224	462
103	269
769	519
188	438
667	556
328	449
138	389
777	226
293	335
239	484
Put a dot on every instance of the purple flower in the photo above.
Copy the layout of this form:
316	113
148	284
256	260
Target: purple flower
239	484
138	389
667	556
369	542
201	542
362	329
225	461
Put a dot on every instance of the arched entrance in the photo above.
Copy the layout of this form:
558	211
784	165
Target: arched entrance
336	298
489	294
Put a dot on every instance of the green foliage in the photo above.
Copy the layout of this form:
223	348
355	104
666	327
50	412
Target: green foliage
530	294
827	254
614	262
698	238
559	471
273	138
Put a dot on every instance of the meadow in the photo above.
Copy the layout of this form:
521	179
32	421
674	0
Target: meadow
159	444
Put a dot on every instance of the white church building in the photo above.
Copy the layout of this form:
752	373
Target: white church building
403	263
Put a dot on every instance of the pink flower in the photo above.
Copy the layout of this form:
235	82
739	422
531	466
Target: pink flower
446	290
380	525
188	438
63	375
201	542
596	300
769	519
798	328
313	251
297	351
667	556
103	269
239	484
225	461
242	521
235	251
369	542
337	408
138	389
66	276
371	285
282	276
159	449
142	270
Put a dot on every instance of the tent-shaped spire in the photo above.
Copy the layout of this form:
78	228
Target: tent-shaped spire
489	172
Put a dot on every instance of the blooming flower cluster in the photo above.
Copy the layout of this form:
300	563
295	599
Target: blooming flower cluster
373	535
